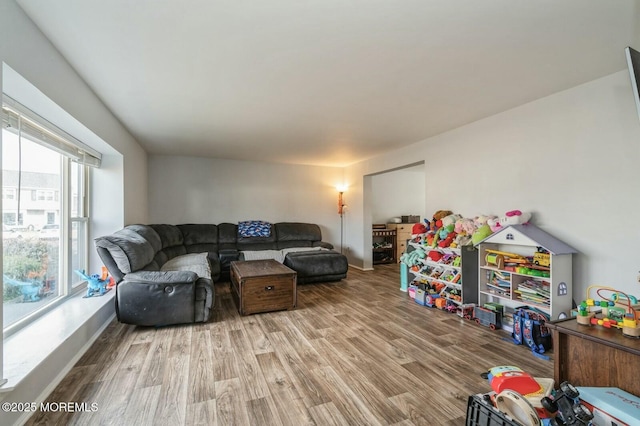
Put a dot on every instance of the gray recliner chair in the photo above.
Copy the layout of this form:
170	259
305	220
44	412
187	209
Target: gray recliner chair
158	282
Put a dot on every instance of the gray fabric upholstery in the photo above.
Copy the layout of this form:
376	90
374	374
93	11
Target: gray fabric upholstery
170	235
294	231
129	250
227	236
317	266
149	234
143	260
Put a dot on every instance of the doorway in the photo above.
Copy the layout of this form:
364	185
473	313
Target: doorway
388	196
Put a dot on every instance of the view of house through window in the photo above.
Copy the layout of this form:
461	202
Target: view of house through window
43	199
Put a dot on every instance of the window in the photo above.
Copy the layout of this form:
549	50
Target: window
8	193
45	174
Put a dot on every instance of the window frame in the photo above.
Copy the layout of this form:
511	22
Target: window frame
69	284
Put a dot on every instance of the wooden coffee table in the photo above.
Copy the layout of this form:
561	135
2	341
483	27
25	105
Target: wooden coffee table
262	286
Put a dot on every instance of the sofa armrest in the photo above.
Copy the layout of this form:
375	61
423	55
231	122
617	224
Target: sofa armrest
161	277
226	257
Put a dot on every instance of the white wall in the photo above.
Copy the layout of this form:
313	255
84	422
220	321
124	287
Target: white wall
398	193
26	51
206	190
570	158
56	92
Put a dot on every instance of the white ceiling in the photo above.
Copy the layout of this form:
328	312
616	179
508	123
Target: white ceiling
326	82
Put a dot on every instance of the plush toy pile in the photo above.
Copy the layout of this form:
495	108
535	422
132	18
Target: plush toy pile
447	229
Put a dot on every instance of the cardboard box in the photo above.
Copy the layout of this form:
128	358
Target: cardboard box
611	406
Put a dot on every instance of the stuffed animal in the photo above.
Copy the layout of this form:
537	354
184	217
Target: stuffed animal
494	224
434	255
96	286
445	231
480	220
468	226
413	258
446	242
450	219
461	240
515	217
418	228
437	218
481	233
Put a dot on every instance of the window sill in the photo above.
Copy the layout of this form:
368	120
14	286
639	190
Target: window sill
32	347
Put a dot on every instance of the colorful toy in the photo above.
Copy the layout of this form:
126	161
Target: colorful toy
514	378
515	217
617	311
481	233
570	411
488	316
437	219
446	242
418	228
413	258
95	284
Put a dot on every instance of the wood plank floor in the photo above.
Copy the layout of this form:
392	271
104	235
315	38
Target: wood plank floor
355	352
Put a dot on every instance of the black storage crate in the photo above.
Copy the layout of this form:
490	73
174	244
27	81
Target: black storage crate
482	413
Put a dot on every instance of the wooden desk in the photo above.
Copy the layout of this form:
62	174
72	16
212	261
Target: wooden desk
595	356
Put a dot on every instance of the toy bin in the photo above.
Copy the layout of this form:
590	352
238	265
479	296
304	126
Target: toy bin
412	291
482	413
421	297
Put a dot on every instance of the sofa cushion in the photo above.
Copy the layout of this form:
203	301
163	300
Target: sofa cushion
128	249
227	235
194	262
199	234
149	234
294	231
170	235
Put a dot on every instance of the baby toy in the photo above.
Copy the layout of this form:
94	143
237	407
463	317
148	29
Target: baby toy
96	286
616	311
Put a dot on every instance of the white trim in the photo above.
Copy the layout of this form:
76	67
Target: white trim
65	370
359	268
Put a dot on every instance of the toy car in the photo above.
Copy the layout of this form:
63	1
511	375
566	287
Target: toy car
565	402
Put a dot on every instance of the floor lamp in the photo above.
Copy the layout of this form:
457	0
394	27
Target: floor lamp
341	209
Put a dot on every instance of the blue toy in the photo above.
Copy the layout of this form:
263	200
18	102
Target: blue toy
95	285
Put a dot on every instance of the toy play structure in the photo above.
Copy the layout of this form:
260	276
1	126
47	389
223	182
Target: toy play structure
615	309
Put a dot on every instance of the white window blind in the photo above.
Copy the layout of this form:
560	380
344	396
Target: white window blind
21	120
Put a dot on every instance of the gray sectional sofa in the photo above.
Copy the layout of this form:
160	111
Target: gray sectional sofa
165	273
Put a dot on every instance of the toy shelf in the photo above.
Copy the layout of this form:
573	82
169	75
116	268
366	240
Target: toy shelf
524	265
446	274
512	286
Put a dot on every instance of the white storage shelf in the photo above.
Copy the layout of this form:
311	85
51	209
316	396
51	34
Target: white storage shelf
446	272
551	294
